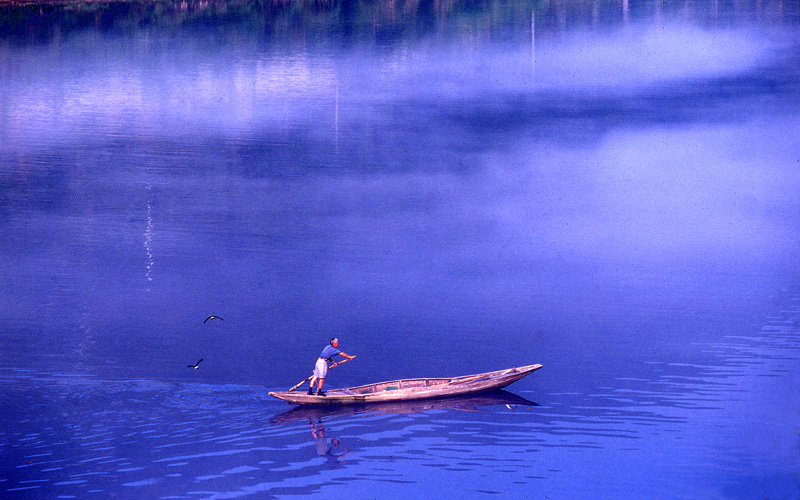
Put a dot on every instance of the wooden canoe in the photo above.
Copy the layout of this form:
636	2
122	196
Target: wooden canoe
469	402
411	389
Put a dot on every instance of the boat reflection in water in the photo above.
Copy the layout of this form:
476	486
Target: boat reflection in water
333	451
463	403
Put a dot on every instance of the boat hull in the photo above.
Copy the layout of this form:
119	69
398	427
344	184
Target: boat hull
470	402
411	389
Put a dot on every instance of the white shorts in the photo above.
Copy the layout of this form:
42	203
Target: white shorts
321	368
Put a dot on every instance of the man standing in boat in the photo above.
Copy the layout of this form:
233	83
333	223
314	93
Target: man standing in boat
321	368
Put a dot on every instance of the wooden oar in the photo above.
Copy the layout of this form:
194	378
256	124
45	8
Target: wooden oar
312	376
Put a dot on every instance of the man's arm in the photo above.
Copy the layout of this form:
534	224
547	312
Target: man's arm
344	354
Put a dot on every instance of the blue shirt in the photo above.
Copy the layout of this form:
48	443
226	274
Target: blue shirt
329	352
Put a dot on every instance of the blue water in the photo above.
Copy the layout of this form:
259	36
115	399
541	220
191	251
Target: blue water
606	188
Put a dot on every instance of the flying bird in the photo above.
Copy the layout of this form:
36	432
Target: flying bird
212	317
196	365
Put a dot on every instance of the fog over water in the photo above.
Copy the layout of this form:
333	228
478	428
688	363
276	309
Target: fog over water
608	189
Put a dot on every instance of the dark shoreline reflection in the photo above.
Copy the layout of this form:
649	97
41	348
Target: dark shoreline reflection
357	20
467	403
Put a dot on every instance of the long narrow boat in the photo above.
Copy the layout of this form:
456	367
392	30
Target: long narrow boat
469	402
410	389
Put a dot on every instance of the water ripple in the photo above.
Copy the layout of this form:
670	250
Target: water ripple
86	434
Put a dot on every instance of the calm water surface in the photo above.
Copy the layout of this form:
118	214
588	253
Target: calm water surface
609	189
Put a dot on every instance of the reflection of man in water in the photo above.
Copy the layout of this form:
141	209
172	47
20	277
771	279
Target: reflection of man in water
321	443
